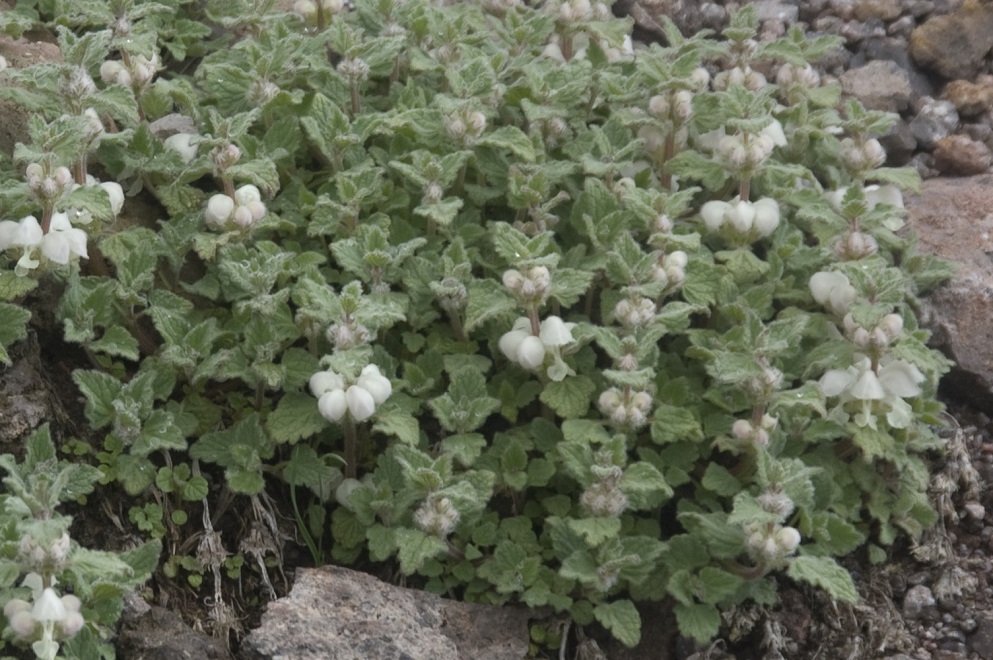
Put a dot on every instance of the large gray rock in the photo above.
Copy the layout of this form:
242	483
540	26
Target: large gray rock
333	613
955	44
953	219
879	85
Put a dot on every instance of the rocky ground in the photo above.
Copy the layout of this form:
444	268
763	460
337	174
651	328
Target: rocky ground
931	62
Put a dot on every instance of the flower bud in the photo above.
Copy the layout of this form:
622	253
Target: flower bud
513	280
788	538
761	438
609	400
892	325
455	127
700	78
676	258
642	401
257	209
682	106
33	174
22	623
433	193
861	339
662	224
742	429
777	502
247	193
477	123
878	338
873	153
242	217
714	214
109	71
658	106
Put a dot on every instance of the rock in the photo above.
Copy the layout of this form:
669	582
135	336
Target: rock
899	144
970	98
334	612
935	120
974	510
902	27
884	10
960	154
879	86
981	641
895	49
953	219
160	634
918	601
955	44
773	10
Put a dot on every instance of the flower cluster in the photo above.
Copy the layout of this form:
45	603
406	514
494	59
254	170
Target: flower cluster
335	397
465	127
46	619
862	156
604	498
745	431
768	545
531	287
741	221
436	515
241	212
528	350
136	71
671	268
308	8
627	408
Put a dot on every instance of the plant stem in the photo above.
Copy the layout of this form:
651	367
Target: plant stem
351	442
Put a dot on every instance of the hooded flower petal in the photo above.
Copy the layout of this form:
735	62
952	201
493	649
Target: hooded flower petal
867	387
901	378
713	214
530	352
360	403
375	383
836	381
883	195
7	230
555	332
48	607
28	233
774	131
325	381
332	405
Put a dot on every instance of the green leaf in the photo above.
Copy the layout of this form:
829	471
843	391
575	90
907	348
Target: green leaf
569	398
512	139
13	327
295	418
674	423
401	425
621	618
415	548
488	299
701	621
116	341
100	390
824	572
718	479
595	530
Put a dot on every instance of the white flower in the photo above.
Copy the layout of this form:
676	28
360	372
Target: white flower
774	131
48	607
332	405
833	290
555	332
3	63
116	195
63	241
361	405
184	144
219	209
530	352
325	381
788	538
373	381
713	214
247	193
766	215
890	384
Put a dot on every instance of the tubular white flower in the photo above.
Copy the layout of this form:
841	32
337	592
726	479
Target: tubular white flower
677	259
531	352
116	194
833	290
22	623
555	332
883	195
184	144
901	378
332	405
766	215
375	383
219	209
63	241
247	193
510	342
713	214
741	214
867	386
774	131
325	381
49	607
361	405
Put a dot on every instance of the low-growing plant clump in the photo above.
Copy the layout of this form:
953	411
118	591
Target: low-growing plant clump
481	291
